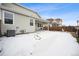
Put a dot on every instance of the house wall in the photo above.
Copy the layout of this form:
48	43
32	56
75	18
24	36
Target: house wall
20	22
23	23
1	21
0	14
5	27
16	8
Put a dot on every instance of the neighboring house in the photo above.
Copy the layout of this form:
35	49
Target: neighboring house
16	17
55	22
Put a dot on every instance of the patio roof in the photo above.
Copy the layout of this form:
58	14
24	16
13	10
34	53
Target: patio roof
42	20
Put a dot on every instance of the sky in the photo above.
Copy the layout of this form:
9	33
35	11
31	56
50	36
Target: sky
69	12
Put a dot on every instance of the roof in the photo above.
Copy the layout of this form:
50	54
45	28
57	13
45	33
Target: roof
57	19
27	9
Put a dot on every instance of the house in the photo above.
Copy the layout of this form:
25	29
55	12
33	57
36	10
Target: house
16	17
55	22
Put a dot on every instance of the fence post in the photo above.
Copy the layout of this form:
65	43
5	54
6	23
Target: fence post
78	33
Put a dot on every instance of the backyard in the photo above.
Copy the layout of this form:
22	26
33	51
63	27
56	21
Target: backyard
41	43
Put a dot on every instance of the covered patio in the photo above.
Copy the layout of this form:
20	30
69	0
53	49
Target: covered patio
39	24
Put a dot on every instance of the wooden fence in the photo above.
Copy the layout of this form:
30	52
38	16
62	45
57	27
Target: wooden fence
64	28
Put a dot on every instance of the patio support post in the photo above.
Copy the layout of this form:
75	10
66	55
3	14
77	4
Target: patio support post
48	26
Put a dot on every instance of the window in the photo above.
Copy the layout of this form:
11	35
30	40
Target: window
31	22
8	18
39	25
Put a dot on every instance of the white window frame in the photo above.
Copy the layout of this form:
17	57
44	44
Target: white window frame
4	17
32	22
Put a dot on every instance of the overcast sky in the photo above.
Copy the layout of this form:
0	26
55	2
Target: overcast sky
68	12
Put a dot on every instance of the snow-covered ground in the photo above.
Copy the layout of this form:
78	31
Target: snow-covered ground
42	43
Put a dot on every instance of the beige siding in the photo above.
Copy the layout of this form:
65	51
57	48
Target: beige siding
20	23
0	14
19	9
23	23
6	27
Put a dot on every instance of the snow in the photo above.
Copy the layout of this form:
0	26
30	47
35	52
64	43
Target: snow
41	43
